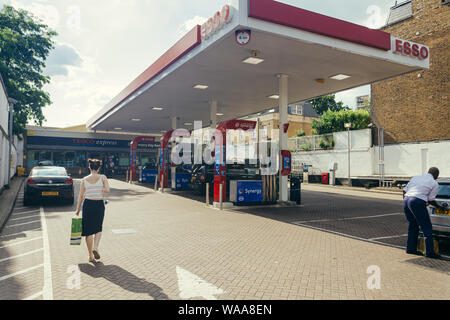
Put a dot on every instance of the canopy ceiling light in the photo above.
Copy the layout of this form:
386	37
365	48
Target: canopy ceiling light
201	87
340	77
158	108
188	123
253	59
274	96
220	114
136	120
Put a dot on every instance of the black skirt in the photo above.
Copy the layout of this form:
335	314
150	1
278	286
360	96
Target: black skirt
93	215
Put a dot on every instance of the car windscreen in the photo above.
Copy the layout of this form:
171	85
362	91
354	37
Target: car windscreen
49	172
444	191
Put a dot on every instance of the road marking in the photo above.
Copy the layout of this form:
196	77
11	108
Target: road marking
22	224
124	231
192	286
23	218
355	218
381	238
26	212
21	242
18	233
21	272
48	285
22	255
34	296
348	236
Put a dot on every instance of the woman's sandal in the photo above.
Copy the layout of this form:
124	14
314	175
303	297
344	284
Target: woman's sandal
92	260
96	254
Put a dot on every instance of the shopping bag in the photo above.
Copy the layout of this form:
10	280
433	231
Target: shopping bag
421	244
75	237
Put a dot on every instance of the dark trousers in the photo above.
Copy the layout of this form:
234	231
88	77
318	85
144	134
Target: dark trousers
417	214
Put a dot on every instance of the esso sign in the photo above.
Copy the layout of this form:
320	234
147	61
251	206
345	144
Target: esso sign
411	49
216	22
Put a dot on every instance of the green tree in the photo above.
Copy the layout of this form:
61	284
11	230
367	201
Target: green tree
335	121
25	44
300	133
325	103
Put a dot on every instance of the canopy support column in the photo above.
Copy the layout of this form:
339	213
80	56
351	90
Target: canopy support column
173	170
213	122
283	81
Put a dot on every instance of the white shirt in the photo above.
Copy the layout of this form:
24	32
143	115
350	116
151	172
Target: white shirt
423	187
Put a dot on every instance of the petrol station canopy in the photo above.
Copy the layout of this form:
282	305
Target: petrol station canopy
319	54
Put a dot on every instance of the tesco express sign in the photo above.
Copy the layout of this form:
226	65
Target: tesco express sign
411	49
216	22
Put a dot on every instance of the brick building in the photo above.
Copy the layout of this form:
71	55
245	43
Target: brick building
415	107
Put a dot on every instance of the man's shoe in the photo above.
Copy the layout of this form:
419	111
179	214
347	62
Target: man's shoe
433	256
416	253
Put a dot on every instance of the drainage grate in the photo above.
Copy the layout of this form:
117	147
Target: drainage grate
442	265
124	231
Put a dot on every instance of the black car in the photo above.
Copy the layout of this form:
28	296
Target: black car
200	176
51	183
203	174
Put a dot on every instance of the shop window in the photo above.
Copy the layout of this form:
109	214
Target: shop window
124	160
64	159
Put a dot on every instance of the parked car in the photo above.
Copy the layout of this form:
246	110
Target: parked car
200	176
203	174
440	217
53	183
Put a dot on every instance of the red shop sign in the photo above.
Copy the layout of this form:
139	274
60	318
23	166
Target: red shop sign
411	49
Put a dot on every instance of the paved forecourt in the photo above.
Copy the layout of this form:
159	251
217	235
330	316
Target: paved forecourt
162	246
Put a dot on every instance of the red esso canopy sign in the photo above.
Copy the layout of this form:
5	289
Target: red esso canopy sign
215	23
411	49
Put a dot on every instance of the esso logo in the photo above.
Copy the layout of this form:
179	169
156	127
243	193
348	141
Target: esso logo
216	22
407	48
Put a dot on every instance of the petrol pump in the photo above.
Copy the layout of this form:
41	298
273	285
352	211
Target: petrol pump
220	165
179	178
133	155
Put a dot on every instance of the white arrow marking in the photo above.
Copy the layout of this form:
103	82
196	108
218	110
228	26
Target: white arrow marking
192	286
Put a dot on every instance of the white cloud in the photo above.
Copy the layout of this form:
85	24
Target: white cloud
47	13
188	25
377	17
348	97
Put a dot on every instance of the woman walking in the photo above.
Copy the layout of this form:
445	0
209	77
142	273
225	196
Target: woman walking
93	189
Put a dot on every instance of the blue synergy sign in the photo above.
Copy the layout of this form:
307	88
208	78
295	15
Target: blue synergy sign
182	181
249	191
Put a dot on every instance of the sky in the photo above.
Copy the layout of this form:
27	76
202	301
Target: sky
103	45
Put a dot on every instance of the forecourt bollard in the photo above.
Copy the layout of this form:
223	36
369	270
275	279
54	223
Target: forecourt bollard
207	194
156	183
221	197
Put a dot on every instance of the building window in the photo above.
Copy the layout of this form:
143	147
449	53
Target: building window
296	110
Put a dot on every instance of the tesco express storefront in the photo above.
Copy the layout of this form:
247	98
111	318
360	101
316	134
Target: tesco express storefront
72	150
252	56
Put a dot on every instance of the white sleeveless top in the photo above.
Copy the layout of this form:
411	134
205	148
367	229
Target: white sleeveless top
94	191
